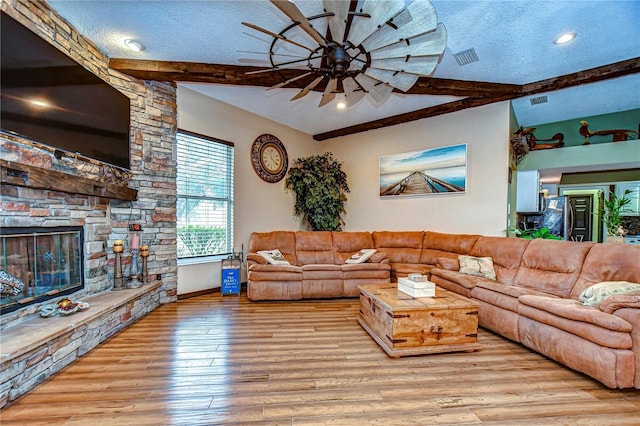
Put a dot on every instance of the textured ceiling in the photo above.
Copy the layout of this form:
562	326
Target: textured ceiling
513	40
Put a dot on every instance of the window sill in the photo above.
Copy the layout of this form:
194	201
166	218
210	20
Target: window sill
201	260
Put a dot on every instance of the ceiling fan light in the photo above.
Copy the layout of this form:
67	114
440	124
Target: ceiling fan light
342	104
565	38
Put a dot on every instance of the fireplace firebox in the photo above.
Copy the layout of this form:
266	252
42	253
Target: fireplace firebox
37	264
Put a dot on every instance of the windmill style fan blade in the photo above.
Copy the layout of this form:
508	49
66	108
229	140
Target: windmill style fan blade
419	65
352	92
380	12
429	44
329	92
418	18
291	80
337	22
274	35
304	92
290	9
399	80
378	91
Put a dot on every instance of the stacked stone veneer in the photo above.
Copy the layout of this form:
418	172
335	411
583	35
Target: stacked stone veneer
153	173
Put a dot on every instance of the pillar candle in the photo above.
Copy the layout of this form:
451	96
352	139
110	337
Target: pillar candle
117	246
135	242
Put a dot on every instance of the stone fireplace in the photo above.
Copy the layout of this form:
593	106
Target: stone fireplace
43	190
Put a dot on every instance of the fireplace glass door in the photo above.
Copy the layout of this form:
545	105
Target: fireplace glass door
38	264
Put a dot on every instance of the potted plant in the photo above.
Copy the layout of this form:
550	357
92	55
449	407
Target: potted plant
611	216
320	186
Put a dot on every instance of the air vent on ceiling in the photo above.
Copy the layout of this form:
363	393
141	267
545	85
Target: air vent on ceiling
538	100
466	57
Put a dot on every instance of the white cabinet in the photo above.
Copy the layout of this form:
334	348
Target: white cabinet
528	191
633	208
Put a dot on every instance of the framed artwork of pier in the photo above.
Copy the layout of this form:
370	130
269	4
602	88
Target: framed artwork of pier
431	171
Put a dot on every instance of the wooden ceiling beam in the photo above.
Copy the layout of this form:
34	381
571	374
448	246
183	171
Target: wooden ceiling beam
475	93
237	75
618	69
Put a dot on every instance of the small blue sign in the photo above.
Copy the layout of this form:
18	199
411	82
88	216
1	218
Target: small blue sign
230	281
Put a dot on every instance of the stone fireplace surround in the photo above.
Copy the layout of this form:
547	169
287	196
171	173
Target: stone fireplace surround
34	348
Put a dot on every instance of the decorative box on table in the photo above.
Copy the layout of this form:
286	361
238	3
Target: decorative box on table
417	288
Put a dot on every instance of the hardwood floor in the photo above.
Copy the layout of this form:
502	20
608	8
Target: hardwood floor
226	360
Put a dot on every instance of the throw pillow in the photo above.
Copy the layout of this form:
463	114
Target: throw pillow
274	257
595	295
477	266
361	256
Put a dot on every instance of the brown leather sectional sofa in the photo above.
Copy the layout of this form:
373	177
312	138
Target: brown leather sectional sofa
534	299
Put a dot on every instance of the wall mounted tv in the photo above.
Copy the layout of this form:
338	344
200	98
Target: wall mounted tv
49	98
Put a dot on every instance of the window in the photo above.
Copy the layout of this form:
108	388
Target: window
205	195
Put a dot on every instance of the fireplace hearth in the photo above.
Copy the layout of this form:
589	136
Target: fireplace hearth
38	264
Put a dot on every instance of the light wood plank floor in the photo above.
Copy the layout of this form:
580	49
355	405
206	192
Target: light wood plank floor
226	360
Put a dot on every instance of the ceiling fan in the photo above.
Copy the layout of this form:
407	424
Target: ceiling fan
366	47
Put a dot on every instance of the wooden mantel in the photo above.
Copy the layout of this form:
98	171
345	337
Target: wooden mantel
18	174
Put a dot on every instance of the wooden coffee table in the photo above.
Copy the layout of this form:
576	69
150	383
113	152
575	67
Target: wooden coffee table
403	325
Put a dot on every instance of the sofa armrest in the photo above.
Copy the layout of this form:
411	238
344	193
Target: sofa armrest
619	301
379	257
448	264
255	258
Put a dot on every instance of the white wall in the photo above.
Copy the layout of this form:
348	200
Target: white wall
259	206
482	209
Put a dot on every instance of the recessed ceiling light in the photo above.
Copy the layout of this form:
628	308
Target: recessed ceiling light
39	103
565	38
134	45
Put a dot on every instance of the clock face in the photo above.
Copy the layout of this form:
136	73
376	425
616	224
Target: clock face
269	158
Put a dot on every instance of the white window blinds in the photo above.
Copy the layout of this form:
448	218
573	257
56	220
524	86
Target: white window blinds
205	195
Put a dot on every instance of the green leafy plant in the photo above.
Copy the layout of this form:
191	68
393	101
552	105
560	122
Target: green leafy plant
611	212
196	240
531	234
320	185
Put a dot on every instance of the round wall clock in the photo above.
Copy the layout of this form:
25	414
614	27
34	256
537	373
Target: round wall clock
269	158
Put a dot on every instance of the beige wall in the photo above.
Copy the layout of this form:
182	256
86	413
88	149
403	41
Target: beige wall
261	206
482	210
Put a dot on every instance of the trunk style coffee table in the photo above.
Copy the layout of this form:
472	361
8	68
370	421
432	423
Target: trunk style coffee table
403	325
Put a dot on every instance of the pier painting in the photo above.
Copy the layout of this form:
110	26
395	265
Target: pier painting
432	171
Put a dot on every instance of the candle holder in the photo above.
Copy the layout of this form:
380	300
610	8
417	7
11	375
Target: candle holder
117	272
134	273
144	254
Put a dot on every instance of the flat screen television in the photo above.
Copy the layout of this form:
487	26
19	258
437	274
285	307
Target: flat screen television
49	98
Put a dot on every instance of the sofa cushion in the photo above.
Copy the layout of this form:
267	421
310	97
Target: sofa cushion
504	296
321	271
505	252
551	266
620	301
477	266
400	246
284	241
466	281
269	272
314	247
572	309
436	244
583	321
347	243
595	294
608	262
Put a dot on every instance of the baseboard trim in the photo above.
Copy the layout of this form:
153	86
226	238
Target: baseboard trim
243	287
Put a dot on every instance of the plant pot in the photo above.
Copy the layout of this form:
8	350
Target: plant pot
614	239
